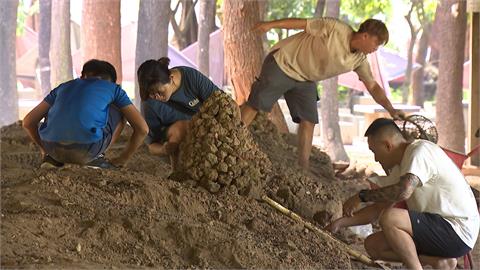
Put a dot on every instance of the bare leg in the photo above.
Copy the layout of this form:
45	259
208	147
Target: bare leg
438	262
397	230
377	247
305	137
248	114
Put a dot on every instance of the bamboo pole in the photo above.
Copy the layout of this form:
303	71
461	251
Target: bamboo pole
325	235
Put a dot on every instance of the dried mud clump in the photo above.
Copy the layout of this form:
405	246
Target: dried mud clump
220	152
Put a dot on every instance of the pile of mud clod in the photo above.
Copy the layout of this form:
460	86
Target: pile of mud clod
137	217
220	151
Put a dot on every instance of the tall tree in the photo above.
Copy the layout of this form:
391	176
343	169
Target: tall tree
101	32
44	45
8	83
449	108
60	50
414	5
152	34
243	47
243	51
417	94
331	134
186	30
204	30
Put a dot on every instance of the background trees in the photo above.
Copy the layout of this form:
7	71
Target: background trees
8	83
152	34
204	30
449	109
60	49
331	135
101	32
44	35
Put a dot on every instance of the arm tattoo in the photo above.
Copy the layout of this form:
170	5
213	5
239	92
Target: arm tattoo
394	193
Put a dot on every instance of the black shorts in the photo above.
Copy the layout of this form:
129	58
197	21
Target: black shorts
272	83
434	236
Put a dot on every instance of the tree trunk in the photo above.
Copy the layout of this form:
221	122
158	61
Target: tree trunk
411	45
152	35
101	33
44	45
332	136
204	27
418	97
319	8
434	38
60	50
243	48
8	82
449	108
244	53
186	31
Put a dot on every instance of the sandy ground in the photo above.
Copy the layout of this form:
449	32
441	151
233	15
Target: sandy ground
136	217
143	216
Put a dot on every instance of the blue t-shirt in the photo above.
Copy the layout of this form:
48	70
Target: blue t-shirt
194	89
79	110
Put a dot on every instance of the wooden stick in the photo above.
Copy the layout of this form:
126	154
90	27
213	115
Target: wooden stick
324	234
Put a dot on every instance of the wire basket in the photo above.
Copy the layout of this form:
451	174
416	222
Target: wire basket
418	127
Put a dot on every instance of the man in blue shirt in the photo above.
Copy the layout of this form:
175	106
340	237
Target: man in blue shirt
83	117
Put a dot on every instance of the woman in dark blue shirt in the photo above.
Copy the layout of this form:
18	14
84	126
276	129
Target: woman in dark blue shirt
170	97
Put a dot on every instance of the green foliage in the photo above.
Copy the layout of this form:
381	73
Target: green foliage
25	9
357	11
281	9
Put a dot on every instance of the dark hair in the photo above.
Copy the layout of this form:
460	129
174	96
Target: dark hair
152	72
380	124
99	68
375	28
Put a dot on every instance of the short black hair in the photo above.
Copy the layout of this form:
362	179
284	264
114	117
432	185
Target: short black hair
99	68
379	124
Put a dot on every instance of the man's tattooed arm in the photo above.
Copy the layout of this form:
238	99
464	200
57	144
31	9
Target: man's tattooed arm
394	193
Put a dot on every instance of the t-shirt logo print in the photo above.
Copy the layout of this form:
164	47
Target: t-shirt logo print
193	102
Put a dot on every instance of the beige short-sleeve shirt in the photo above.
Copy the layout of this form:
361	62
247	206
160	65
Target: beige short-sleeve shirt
320	52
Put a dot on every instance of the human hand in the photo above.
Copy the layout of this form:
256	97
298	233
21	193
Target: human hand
351	205
398	114
119	161
261	28
334	226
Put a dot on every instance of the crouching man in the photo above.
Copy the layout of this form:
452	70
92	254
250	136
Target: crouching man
442	220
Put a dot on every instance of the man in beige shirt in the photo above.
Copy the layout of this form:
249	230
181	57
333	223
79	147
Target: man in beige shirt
326	48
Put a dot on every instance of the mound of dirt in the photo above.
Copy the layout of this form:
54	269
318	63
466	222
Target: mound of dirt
220	151
136	217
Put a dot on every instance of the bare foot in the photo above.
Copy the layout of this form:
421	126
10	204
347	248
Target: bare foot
438	263
449	263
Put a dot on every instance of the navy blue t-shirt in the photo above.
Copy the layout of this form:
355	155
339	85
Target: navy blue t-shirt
79	110
194	89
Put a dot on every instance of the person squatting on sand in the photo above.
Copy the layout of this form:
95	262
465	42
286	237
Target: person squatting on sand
442	220
170	97
326	47
83	117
